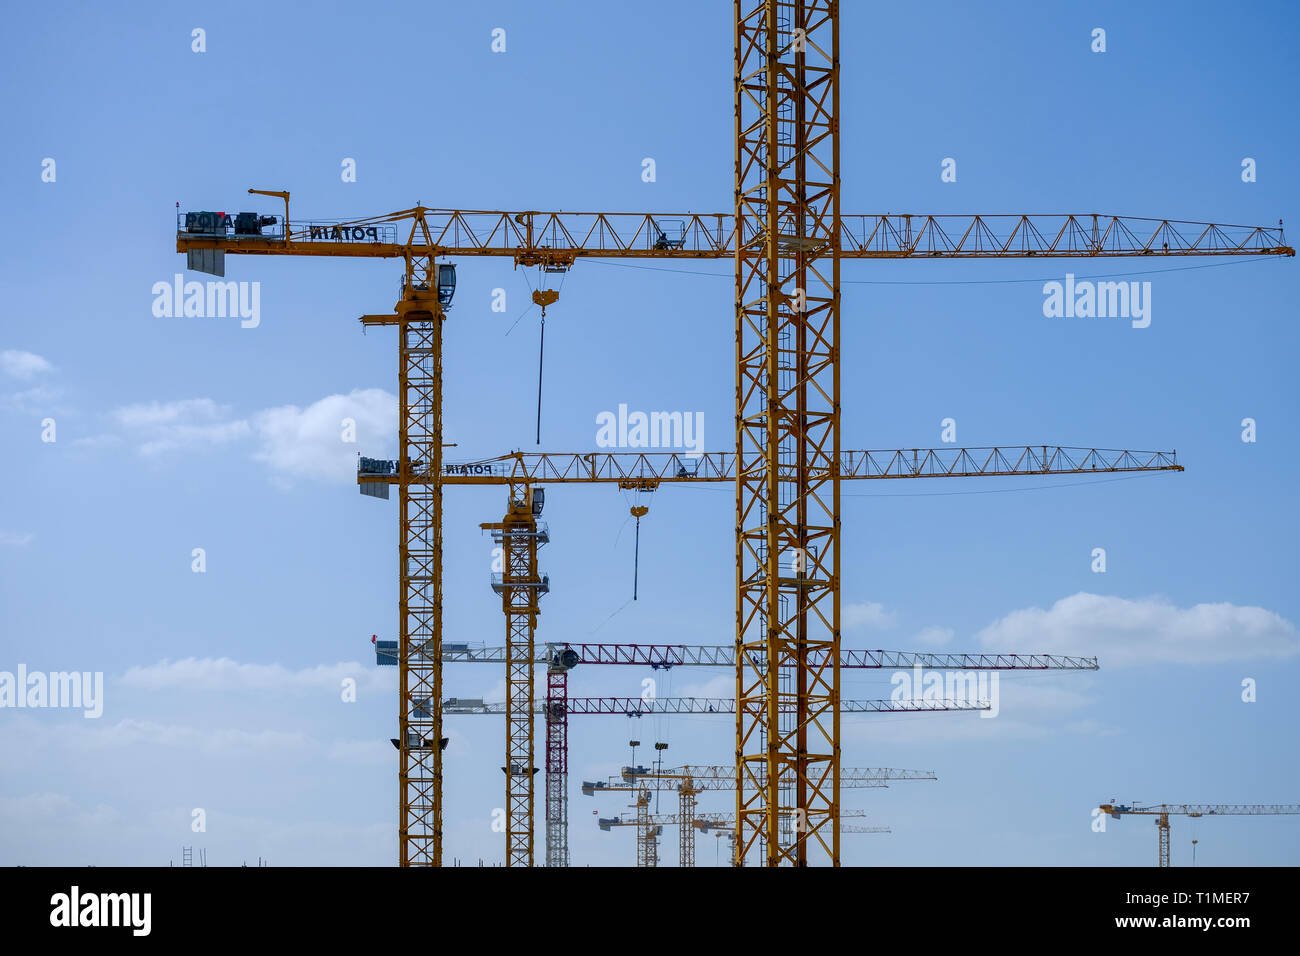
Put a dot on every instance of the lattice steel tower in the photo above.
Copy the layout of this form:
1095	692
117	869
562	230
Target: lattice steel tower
787	426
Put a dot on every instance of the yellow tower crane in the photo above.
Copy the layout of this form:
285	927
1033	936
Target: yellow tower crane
802	646
1163	811
787	238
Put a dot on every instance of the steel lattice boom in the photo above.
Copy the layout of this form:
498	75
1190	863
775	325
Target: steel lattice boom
645	471
724	778
561	238
702	820
656	656
638	707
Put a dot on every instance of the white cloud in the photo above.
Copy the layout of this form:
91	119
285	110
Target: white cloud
16	539
295	442
184	411
867	614
21	743
308	442
1092	728
96	441
224	674
55	809
23	365
55	829
1035	707
365	752
228	740
934	636
723	685
163	426
36	400
1122	632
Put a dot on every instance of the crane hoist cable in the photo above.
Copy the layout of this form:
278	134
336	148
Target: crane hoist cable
638	512
543	297
634	492
541	351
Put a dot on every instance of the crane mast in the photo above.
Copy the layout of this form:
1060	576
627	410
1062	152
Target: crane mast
419	315
788	239
521	585
557	763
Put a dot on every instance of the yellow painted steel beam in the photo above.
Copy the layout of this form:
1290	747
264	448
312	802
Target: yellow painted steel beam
420	738
686	815
562	238
520	584
787	436
662	468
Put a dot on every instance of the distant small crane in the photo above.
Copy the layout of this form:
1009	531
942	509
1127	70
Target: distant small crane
1163	811
690	781
650	827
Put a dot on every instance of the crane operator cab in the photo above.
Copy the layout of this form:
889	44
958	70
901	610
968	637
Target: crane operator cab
444	275
446	282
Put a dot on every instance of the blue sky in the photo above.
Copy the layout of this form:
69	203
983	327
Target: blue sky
222	688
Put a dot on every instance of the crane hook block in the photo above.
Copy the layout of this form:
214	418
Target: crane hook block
640	511
545	297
